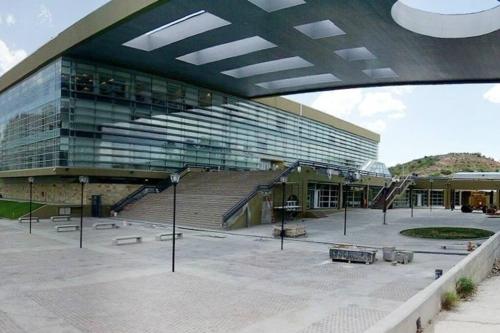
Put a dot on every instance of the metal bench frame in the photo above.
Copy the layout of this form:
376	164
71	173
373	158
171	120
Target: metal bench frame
116	241
27	219
163	237
67	227
106	225
60	218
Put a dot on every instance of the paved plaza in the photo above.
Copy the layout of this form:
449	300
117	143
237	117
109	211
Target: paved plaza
224	282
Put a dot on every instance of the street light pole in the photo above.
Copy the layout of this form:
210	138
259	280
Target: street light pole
83	180
345	206
174	178
385	202
411	199
31	180
283	180
430	195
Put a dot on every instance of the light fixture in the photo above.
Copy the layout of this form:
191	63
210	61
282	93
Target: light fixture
268	67
299	81
175	178
227	50
274	5
380	73
283	179
320	29
83	179
355	54
31	180
178	30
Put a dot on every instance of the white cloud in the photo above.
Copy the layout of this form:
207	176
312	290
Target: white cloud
493	94
44	15
382	103
9	57
339	103
10	19
377	126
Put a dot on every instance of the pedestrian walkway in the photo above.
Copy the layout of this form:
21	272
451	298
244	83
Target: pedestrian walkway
480	315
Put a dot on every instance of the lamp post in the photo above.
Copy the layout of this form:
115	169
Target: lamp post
83	180
411	199
31	180
385	202
348	179
430	194
283	181
174	178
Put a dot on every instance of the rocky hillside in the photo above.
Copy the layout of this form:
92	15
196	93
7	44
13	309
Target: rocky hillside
444	165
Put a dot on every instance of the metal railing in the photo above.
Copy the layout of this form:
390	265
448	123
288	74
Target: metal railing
259	188
144	190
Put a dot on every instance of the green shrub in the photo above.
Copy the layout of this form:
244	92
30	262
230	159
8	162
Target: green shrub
449	300
465	287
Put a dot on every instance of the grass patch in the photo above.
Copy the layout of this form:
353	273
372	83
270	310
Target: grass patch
13	209
465	287
447	233
449	300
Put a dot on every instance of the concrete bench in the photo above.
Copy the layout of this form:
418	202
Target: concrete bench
27	219
67	227
167	236
127	240
60	218
105	225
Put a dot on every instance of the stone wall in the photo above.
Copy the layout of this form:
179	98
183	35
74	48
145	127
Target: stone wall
67	194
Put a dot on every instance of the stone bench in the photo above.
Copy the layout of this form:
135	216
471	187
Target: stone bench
167	236
67	227
27	219
60	218
127	239
105	225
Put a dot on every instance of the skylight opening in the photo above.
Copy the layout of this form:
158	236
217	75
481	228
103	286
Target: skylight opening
380	73
268	67
299	81
356	54
178	30
227	50
275	5
320	29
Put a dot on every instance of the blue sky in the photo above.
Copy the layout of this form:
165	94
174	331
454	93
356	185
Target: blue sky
413	120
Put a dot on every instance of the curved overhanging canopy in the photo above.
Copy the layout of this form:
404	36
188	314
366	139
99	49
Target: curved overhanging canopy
255	48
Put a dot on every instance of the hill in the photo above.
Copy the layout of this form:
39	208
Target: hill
444	165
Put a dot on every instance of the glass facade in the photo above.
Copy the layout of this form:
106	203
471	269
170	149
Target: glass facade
81	114
29	121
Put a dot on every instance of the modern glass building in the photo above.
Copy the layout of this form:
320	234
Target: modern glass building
74	113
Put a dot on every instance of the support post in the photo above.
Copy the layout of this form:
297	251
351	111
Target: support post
173	228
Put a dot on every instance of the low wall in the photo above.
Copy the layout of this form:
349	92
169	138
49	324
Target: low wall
427	303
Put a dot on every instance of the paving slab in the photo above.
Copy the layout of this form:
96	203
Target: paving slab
224	282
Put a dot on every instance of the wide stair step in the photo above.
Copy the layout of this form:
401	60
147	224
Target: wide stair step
202	198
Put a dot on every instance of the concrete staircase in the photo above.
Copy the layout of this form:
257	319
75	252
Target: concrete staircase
202	198
395	189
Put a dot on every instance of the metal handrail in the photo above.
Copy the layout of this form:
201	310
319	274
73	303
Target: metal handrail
400	186
233	210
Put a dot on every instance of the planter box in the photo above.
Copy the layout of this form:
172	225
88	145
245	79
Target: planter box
353	255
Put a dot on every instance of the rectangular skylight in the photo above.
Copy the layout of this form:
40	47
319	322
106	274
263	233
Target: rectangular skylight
227	50
320	29
299	81
355	54
268	67
380	73
178	30
274	5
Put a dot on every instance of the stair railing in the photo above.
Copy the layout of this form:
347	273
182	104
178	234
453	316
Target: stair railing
259	188
144	190
399	189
